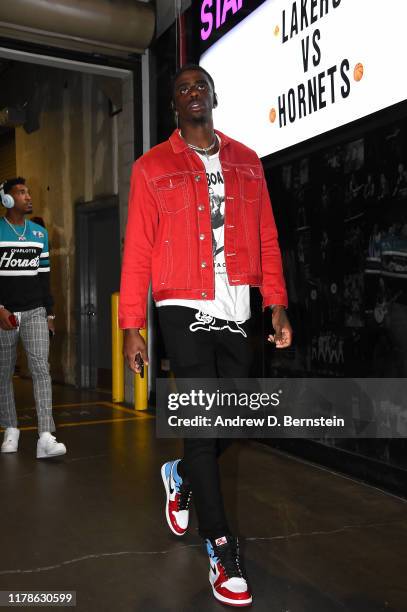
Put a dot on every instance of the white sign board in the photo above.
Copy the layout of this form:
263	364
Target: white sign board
293	70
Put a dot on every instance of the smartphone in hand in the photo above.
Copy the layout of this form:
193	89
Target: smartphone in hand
13	320
140	364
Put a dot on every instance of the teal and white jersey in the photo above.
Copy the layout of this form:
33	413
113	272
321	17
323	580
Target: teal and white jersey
24	266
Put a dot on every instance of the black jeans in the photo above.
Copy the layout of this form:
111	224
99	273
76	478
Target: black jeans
204	354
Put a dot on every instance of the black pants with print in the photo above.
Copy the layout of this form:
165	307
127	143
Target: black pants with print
205	353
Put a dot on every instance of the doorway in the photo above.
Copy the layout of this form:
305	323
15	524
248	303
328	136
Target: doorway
98	275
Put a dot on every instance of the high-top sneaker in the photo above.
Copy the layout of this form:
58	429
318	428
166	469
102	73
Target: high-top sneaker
178	498
225	573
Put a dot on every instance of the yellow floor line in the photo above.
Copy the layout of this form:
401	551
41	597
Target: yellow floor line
60	425
100	403
139	413
76	405
136	415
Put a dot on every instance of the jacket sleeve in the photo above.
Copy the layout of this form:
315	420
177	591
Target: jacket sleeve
44	276
273	288
142	224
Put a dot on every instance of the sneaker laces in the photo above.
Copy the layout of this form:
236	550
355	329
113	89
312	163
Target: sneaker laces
228	555
51	439
184	498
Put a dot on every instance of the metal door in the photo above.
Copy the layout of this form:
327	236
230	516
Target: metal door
98	276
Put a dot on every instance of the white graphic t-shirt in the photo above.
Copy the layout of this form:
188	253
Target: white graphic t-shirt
231	303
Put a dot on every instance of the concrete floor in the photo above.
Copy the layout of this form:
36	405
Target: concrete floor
93	522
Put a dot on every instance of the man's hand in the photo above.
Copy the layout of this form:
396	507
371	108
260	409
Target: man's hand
51	326
134	344
283	331
4	319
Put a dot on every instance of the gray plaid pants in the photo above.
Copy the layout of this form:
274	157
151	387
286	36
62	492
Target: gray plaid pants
33	330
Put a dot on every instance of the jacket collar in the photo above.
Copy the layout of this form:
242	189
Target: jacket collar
178	144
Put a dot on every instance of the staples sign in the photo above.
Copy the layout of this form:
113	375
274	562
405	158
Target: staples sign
214	13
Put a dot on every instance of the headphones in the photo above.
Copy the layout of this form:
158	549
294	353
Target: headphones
6	199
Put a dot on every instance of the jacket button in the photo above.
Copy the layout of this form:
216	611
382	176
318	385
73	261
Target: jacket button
203	294
201	207
203	264
201	236
197	178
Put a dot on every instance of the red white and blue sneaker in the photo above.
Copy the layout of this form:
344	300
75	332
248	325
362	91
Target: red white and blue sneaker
228	583
178	498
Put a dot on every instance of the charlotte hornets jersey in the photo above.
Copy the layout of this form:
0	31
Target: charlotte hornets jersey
24	266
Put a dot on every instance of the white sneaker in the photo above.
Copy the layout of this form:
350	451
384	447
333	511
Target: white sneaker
47	446
10	442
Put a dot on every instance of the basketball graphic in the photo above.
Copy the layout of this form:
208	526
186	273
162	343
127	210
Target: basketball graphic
358	72
276	31
272	115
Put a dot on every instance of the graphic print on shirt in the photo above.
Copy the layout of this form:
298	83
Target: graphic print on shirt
16	260
216	190
206	322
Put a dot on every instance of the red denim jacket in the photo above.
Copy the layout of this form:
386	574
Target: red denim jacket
169	233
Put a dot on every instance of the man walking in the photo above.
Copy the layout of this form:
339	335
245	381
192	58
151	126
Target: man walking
201	226
26	313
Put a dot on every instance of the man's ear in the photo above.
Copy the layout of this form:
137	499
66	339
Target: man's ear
215	100
172	105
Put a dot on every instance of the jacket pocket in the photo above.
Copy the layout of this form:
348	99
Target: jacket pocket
249	184
172	192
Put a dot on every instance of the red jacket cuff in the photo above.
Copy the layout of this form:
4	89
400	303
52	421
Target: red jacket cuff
132	323
279	299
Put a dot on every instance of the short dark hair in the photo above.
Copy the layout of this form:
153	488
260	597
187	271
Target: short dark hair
191	67
10	183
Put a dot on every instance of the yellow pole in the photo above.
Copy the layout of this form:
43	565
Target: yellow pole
117	353
141	384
